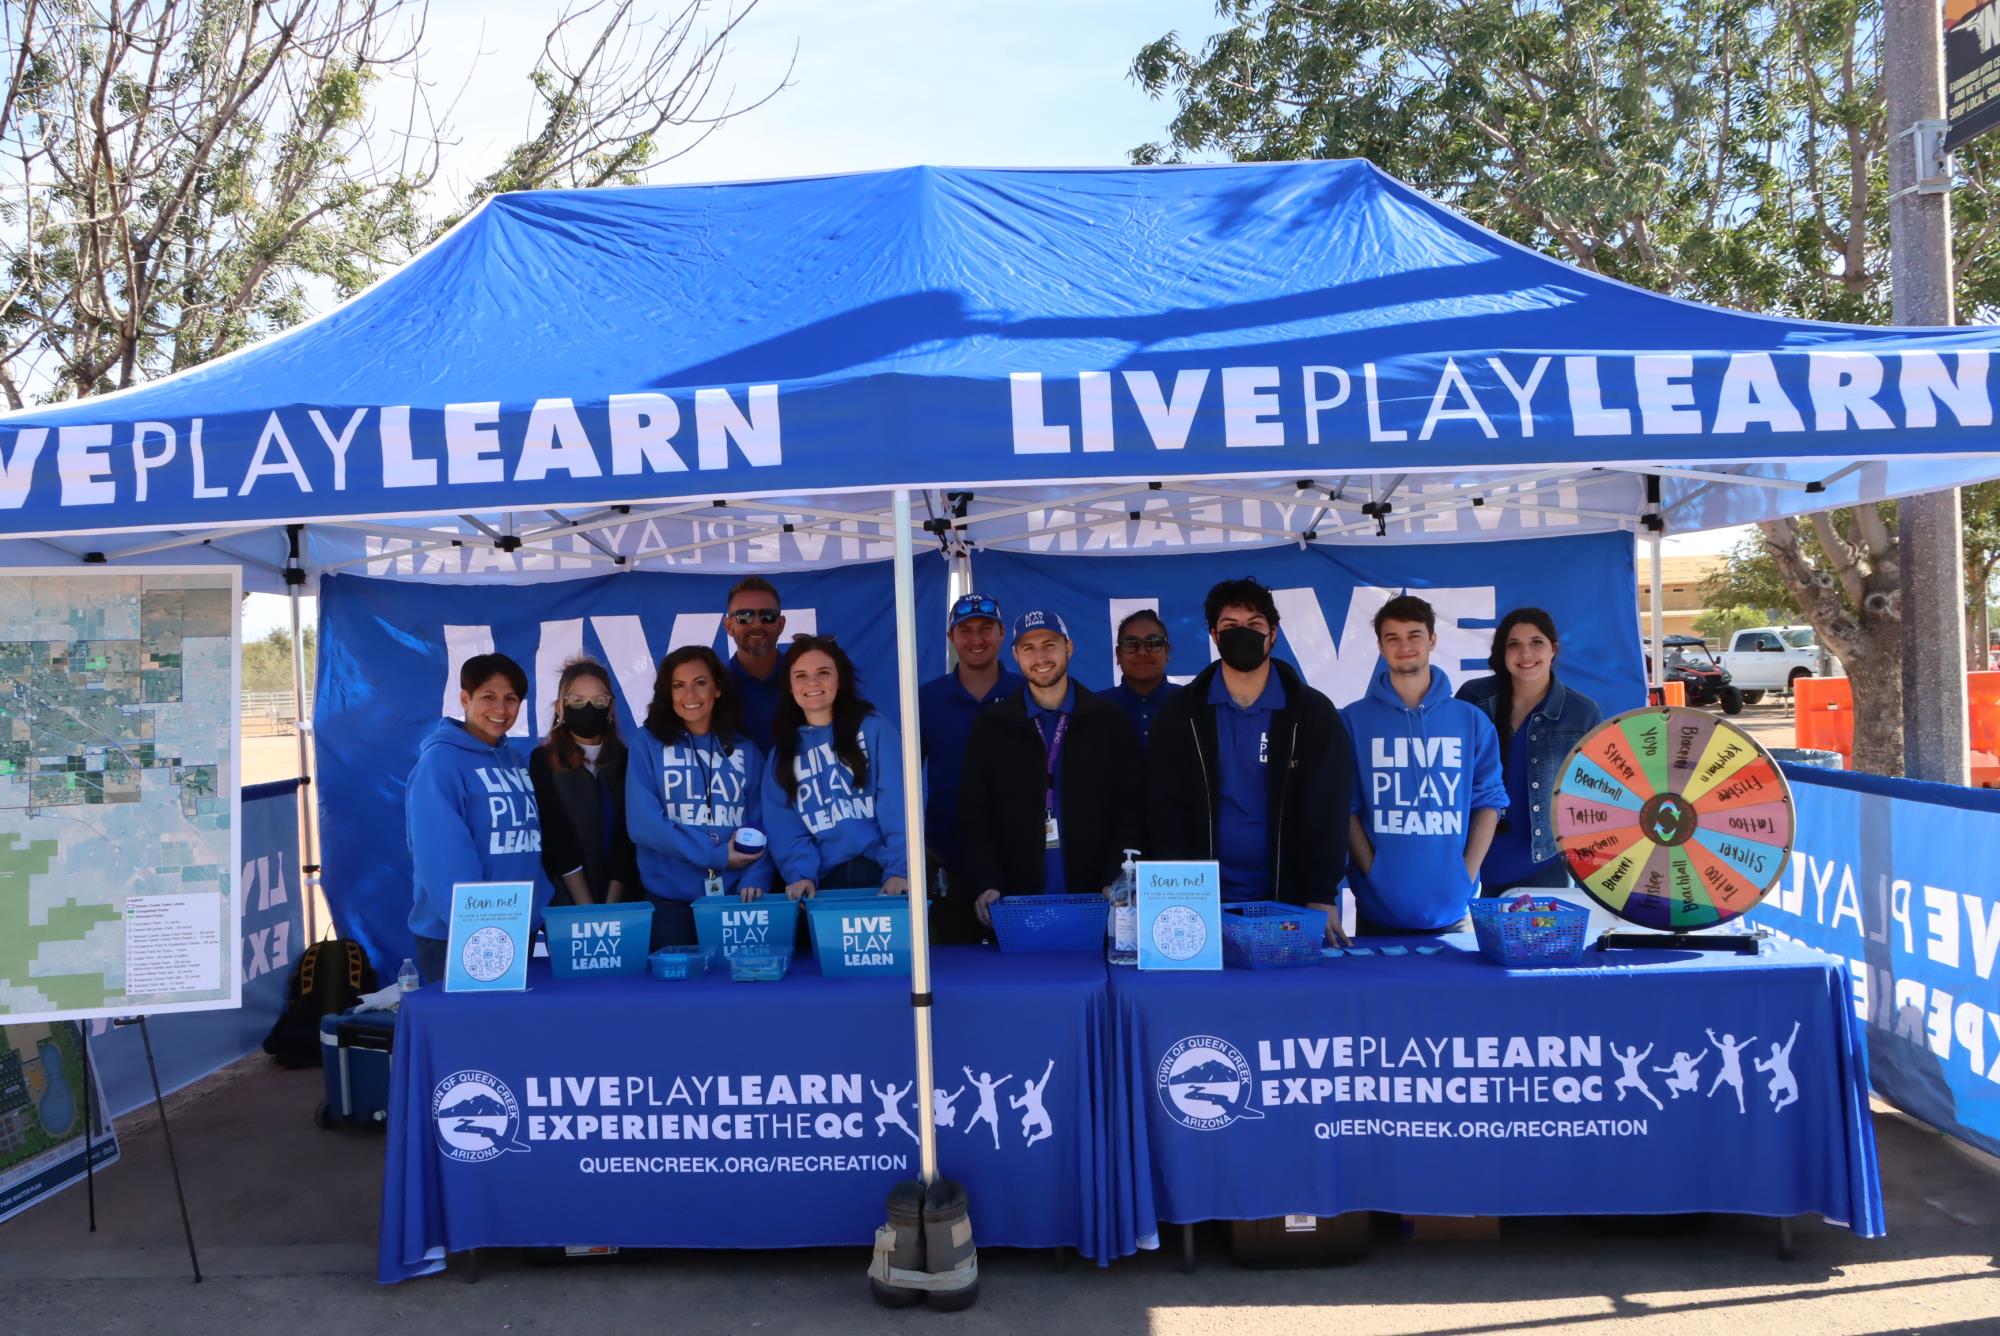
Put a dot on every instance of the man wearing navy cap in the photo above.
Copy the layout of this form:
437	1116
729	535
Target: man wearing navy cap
1049	799
946	709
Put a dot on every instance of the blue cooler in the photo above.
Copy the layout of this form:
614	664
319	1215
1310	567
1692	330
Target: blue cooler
858	935
598	941
726	924
354	1055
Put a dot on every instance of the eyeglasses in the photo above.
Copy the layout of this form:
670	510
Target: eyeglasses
745	616
975	605
1133	644
578	702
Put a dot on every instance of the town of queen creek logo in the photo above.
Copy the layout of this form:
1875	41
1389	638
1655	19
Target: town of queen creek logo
476	1116
488	953
1205	1083
1179	933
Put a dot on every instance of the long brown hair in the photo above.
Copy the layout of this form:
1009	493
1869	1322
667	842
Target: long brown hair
849	709
565	753
723	717
1503	699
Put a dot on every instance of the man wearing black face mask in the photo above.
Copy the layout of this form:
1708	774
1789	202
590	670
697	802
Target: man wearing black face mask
1248	765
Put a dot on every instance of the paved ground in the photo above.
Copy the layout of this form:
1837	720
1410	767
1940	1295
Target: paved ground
285	1217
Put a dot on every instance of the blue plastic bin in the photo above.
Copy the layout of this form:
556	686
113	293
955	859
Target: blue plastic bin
1263	935
760	964
598	941
1529	932
679	962
725	924
855	936
1050	922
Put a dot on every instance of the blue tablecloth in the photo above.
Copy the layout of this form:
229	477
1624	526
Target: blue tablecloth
1445	1085
712	1114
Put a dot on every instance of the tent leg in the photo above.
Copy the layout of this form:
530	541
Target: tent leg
913	818
295	579
1658	619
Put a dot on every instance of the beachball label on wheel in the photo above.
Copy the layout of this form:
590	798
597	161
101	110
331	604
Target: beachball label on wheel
1673	819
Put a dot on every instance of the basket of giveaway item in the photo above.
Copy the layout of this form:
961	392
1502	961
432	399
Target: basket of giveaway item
1050	922
1529	932
1263	935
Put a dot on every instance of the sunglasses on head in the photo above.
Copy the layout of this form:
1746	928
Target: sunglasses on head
745	616
1133	644
975	605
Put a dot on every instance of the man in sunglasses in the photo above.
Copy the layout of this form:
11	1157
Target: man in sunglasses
756	622
1142	651
946	709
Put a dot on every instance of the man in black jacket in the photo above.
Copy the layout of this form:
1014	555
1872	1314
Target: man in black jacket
1250	766
1049	798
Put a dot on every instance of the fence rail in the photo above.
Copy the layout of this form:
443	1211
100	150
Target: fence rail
266	712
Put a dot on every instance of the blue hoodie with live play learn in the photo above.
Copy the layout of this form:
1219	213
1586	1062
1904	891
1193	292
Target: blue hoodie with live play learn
1419	776
471	815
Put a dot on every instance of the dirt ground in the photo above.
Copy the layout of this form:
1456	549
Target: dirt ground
285	1219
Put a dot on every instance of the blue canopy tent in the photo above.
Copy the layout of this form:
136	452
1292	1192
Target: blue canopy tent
786	374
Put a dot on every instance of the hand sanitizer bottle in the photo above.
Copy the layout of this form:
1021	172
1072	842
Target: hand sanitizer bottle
1124	948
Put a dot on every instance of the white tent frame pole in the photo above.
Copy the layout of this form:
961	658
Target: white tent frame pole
1656	600
913	822
308	845
187	540
1752	479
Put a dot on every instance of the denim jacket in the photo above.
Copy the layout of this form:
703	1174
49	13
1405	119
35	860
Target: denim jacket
1555	727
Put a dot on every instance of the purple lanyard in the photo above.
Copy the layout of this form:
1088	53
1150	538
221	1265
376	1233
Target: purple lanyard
1054	746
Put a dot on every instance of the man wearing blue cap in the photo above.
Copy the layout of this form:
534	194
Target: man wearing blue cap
946	709
1050	796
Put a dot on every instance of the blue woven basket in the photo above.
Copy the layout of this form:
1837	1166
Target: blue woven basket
1262	936
1524	932
1050	922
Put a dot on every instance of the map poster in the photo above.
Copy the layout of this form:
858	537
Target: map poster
120	838
487	951
1180	916
42	1114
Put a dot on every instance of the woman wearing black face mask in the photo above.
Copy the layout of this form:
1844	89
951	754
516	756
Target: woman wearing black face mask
579	776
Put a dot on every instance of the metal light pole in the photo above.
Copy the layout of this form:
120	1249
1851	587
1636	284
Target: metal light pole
1930	531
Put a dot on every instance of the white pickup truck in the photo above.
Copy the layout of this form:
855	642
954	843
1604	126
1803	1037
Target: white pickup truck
1771	658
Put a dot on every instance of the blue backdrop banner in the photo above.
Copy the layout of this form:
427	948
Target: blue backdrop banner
190	1045
1327	596
1890	874
389	663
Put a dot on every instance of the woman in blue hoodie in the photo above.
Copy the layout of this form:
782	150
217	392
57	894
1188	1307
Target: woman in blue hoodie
833	793
694	781
470	806
1539	719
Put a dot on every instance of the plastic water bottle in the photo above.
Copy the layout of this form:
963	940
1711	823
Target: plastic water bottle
1124	948
406	977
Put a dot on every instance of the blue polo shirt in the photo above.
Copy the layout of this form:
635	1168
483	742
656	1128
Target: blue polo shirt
945	714
1142	710
1243	827
757	700
1045	721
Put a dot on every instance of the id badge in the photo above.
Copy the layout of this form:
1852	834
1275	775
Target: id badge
1051	833
713	885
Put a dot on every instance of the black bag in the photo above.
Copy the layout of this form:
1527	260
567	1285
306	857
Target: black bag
329	978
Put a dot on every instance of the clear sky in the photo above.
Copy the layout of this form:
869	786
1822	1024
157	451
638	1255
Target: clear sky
877	83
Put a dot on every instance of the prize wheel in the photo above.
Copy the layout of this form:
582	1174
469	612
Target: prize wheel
1673	818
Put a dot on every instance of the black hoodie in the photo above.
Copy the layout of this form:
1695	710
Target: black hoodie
1310	773
1005	783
